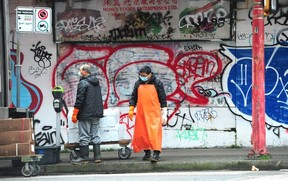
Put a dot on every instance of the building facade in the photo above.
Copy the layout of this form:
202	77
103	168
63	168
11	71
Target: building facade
201	51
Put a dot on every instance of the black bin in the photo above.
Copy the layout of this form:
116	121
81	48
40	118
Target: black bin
51	154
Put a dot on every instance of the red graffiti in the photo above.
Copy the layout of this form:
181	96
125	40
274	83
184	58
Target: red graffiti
117	66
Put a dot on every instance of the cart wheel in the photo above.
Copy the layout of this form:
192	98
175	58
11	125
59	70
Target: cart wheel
124	153
28	170
74	154
37	170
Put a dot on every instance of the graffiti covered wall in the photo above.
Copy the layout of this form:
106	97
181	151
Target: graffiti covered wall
208	83
119	21
192	81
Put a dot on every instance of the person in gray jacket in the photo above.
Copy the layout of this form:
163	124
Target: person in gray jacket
88	109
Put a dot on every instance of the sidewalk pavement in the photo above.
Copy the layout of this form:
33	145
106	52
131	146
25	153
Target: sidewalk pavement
192	159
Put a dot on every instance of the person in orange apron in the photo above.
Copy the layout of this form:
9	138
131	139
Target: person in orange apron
149	98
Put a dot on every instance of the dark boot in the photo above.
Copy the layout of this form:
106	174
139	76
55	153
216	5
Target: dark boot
147	156
97	153
84	156
156	157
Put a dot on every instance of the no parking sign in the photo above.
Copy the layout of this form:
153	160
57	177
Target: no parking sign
43	20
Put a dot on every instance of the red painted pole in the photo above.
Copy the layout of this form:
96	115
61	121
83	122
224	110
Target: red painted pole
258	138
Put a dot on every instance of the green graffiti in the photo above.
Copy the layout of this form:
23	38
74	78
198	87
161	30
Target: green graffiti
192	135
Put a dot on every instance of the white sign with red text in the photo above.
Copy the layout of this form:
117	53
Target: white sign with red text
25	19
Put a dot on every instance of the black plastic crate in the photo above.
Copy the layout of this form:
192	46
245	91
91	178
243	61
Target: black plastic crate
51	154
20	113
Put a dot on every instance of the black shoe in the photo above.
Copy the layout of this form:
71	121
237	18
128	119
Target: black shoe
156	157
79	161
147	156
84	156
97	153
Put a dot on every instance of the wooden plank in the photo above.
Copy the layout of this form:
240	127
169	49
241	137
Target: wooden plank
17	149
18	124
10	137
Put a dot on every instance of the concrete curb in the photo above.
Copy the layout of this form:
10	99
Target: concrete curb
162	167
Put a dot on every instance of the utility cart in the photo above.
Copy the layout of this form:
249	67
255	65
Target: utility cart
17	143
111	132
31	167
123	153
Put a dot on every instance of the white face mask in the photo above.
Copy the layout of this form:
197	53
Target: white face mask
79	73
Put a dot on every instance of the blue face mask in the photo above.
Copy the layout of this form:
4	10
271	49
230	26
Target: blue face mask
144	79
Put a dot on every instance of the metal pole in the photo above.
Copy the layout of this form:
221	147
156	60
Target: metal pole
258	137
18	71
57	129
7	54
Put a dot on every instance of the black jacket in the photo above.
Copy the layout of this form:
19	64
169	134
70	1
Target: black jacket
89	98
159	88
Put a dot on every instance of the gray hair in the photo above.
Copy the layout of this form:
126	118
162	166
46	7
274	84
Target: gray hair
86	68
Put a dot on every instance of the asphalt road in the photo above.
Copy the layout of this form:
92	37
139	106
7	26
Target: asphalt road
175	176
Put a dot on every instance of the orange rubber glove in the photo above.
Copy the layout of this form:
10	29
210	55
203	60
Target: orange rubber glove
131	112
74	115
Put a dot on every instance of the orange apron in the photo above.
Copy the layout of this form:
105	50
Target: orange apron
148	123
